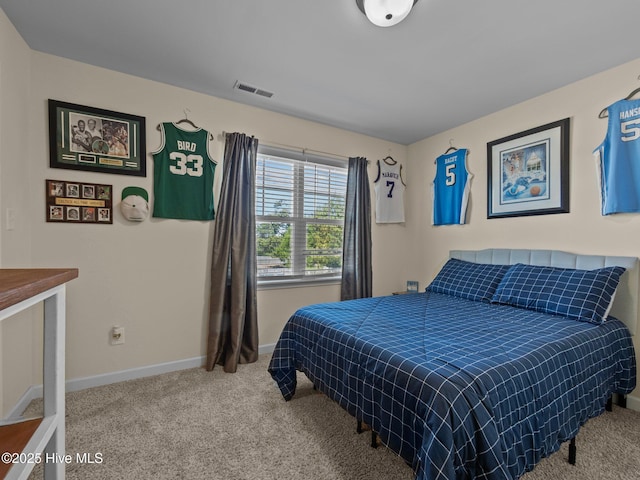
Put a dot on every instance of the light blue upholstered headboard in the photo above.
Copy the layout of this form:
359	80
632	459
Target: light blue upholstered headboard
625	304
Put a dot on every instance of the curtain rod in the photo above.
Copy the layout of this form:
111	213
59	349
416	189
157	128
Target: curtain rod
292	147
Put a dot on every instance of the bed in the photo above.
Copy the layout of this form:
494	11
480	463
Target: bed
502	359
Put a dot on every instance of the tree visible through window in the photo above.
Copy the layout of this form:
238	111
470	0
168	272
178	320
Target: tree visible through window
299	216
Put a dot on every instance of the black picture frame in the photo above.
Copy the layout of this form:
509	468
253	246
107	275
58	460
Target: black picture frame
78	202
528	172
115	143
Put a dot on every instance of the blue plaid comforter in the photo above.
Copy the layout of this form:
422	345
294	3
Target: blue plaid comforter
459	389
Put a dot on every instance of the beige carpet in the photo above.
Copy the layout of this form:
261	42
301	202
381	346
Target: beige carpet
200	425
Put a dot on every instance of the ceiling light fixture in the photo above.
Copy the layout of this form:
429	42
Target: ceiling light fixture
385	13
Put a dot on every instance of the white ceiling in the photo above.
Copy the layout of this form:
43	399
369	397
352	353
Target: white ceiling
449	62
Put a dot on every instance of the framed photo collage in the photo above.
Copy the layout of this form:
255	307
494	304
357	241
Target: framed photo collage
79	202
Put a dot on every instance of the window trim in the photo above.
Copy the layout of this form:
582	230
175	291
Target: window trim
300	280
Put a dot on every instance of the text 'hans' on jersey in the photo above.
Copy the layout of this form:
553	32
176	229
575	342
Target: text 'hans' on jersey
618	159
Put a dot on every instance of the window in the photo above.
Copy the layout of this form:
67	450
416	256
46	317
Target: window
299	216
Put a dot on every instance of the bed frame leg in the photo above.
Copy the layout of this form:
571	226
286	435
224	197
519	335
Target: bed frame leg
374	436
572	451
622	401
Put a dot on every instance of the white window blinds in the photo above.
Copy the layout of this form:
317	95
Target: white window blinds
299	216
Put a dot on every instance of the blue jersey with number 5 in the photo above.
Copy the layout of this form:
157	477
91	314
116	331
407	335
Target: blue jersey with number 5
618	159
451	187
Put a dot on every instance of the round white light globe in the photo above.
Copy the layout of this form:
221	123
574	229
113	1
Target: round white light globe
386	13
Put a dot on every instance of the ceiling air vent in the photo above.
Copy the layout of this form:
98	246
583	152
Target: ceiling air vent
245	87
264	93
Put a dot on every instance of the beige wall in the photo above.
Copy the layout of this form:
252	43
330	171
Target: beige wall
20	358
152	277
583	230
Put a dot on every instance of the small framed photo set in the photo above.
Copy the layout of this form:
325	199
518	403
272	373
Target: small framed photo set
78	202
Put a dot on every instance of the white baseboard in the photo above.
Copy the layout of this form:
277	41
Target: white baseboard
76	384
33	392
269	348
633	403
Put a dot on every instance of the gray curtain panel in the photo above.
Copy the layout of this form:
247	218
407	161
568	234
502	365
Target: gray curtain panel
233	325
357	276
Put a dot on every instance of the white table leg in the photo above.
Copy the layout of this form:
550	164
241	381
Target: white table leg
54	384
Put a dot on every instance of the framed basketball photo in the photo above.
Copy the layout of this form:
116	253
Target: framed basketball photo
528	172
93	139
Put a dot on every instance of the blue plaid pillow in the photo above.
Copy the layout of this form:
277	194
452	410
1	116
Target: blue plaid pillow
579	294
473	281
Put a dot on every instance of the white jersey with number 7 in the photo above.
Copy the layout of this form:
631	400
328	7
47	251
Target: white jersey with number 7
389	189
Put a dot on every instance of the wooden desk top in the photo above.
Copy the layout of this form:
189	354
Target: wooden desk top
13	439
19	284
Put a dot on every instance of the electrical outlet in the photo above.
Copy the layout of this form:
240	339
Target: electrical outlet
117	335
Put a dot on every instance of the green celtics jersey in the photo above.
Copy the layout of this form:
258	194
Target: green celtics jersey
183	175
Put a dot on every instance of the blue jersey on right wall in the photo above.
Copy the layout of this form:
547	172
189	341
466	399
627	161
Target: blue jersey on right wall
618	159
451	187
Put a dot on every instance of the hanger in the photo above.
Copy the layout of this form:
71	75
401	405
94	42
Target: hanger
189	122
186	119
389	160
603	113
451	147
